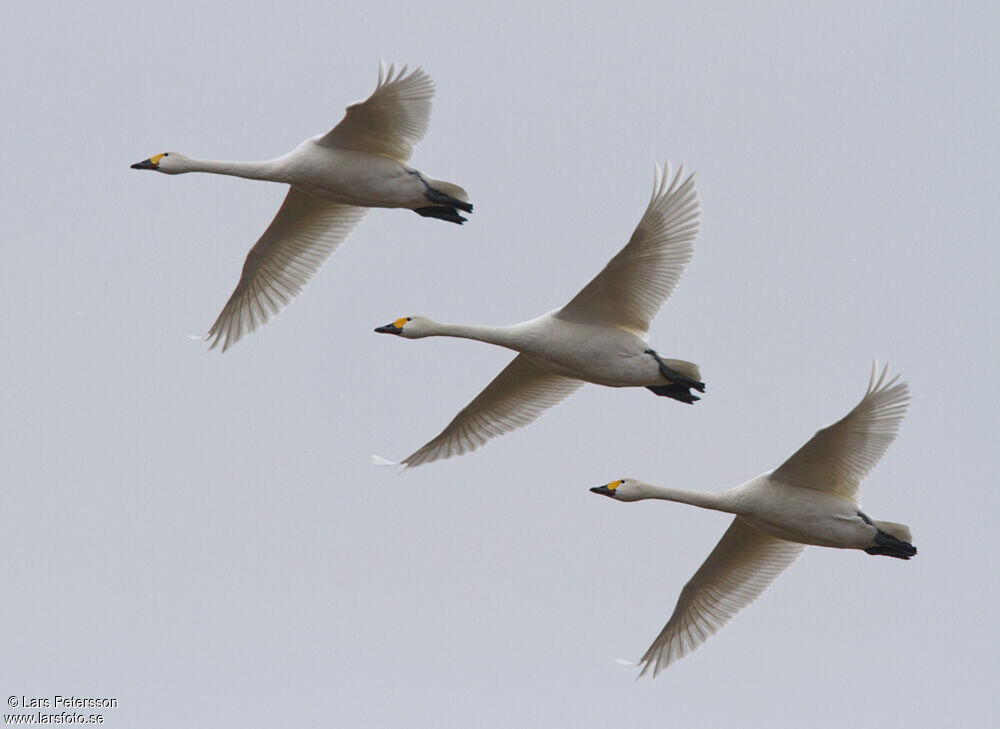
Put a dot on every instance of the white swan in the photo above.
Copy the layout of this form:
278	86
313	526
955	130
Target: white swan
599	336
809	499
334	178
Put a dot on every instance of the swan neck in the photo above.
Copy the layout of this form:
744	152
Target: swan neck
269	170
507	337
717	502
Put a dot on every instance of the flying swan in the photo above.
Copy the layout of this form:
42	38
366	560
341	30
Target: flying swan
809	499
333	179
599	336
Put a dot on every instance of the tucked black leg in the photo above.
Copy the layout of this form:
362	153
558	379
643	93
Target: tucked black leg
675	376
436	196
442	198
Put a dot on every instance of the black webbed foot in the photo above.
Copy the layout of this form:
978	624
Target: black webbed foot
676	392
442	212
889	546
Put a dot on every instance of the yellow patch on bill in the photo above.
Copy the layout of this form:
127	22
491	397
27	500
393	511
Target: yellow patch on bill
400	322
613	485
155	159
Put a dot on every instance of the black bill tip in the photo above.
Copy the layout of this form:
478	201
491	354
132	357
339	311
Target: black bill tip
603	491
146	164
389	329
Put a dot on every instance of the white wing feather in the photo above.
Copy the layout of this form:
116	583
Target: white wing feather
634	285
516	397
742	565
303	234
839	456
391	121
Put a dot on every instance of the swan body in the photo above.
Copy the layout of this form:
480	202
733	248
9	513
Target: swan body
810	499
598	337
587	352
334	178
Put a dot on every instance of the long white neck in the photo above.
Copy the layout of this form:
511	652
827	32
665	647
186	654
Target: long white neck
718	502
272	170
511	337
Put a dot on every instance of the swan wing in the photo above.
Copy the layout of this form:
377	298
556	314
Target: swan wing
742	565
632	288
516	397
303	234
839	456
391	121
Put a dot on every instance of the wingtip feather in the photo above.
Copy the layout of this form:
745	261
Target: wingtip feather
385	462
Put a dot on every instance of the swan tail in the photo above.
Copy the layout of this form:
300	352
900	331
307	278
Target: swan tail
447	193
900	531
892	540
686	369
456	192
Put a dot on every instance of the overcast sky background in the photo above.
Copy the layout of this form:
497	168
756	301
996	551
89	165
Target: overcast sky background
205	538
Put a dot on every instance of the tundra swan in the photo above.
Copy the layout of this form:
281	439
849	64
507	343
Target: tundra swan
809	499
333	179
599	336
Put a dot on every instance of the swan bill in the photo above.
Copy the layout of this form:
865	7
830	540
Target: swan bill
607	489
146	164
153	163
395	328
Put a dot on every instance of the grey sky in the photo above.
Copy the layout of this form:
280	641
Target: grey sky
205	538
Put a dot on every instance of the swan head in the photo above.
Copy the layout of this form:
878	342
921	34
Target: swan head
411	327
625	489
170	163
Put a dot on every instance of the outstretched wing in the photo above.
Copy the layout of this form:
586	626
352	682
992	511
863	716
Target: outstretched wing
632	288
303	234
515	398
839	456
742	565
391	121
